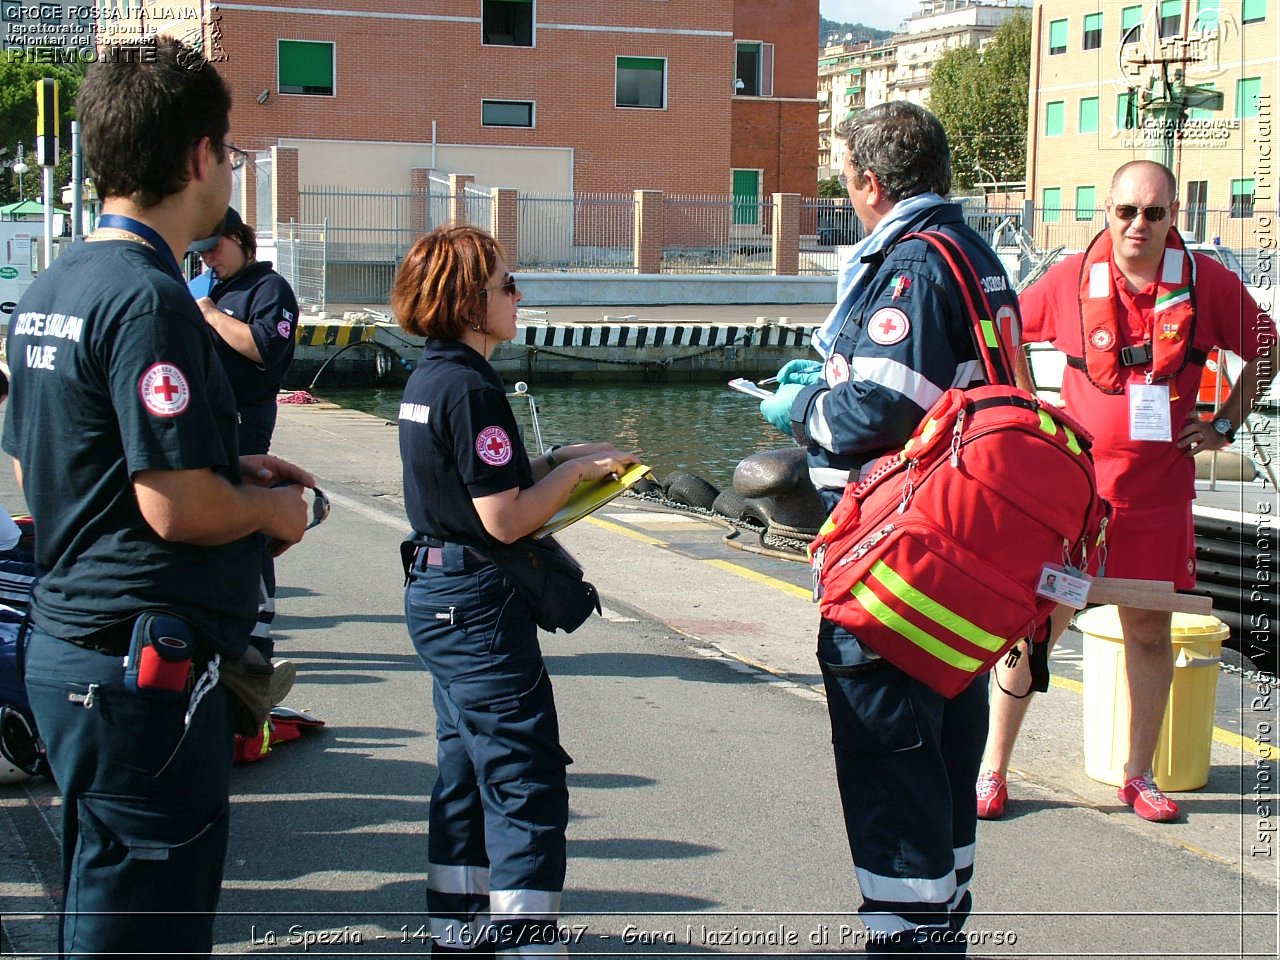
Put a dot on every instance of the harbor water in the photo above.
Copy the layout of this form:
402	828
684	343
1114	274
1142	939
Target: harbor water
698	428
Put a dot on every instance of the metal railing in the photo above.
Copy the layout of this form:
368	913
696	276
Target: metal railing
302	256
717	235
588	232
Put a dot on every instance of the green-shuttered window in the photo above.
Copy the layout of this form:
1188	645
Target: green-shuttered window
1254	11
306	66
1091	38
1088	118
1051	205
1248	90
1131	17
1206	17
1057	36
1199	113
1086	201
1126	111
641	82
1054	114
1242	198
1170	18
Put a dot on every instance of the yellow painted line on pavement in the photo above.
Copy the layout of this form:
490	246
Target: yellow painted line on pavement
1066	683
625	531
750	574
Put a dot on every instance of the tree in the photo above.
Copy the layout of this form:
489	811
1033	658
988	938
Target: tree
981	99
18	123
830	187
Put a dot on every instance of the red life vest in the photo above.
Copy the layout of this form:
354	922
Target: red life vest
1173	321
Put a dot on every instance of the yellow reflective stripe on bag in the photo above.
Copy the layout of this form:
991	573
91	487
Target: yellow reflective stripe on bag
894	621
924	604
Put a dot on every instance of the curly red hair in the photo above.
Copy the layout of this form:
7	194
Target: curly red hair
438	291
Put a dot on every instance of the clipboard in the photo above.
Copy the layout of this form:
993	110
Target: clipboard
589	497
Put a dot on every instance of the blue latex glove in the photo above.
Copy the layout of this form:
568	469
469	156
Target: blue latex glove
804	372
777	409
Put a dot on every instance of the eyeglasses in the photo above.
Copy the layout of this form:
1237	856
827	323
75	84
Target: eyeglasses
1128	212
319	508
238	157
507	286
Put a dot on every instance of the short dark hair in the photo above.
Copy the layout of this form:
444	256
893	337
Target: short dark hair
246	239
142	114
439	289
904	144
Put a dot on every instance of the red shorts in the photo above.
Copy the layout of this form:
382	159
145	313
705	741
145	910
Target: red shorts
1153	543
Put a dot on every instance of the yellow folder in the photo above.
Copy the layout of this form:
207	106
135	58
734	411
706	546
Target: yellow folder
589	496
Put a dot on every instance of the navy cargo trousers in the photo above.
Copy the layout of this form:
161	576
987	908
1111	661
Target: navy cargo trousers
145	803
500	805
906	763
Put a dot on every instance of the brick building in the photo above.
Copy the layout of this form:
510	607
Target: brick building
547	96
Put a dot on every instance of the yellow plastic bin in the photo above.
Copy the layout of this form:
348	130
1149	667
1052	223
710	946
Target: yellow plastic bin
1186	733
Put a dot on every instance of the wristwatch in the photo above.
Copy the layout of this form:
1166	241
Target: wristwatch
549	455
1223	428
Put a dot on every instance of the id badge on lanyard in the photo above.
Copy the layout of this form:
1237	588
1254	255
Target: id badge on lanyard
1149	411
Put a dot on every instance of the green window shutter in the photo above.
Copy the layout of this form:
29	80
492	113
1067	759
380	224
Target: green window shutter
1051	205
1199	113
1093	21
1086	201
639	63
1254	10
1126	112
1130	17
1247	91
1057	36
1088	115
306	67
1054	113
1170	8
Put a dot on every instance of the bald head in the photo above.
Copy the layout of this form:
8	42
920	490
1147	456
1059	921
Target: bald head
1148	168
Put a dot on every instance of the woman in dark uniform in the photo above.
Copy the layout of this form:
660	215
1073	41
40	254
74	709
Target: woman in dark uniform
496	848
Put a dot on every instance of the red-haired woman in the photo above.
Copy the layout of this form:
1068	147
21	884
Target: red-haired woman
496	849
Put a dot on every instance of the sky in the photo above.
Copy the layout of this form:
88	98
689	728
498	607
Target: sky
883	14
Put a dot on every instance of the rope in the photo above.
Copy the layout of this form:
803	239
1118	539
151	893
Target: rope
744	338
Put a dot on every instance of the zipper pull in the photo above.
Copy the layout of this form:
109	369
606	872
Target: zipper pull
955	437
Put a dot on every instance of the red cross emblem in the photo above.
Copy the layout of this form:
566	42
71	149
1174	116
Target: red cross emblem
888	326
494	446
164	390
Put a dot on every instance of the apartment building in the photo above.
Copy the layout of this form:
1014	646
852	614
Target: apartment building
1109	80
852	77
551	97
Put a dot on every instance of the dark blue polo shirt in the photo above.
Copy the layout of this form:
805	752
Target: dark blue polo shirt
263	299
458	440
114	372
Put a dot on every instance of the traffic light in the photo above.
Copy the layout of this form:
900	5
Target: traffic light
47	122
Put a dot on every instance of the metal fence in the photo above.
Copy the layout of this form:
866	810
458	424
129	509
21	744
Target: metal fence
263	214
587	232
302	257
717	235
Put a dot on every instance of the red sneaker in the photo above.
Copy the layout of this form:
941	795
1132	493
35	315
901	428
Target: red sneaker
993	794
1147	801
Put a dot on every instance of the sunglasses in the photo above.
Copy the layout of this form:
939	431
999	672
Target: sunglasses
1128	212
508	286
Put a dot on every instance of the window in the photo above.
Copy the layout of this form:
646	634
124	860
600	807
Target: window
506	113
1051	205
1200	113
1248	90
305	66
1254	11
1242	198
1170	18
1131	19
1057	36
1206	17
1088	119
1054	113
1127	111
1091	39
1197	209
1086	199
641	82
507	23
753	70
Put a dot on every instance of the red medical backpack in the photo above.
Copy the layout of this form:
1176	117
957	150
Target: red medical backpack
934	558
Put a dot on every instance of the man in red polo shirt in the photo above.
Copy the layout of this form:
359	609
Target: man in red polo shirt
1136	314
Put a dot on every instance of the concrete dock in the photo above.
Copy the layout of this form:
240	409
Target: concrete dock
704	814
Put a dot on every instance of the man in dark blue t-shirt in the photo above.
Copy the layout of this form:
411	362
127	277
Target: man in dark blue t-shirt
123	429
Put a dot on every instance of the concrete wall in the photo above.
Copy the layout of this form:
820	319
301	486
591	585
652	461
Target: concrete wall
568	289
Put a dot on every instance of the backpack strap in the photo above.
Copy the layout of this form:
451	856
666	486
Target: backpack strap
996	355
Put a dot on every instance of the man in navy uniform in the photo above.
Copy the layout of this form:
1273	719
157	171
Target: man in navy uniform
898	338
123	429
